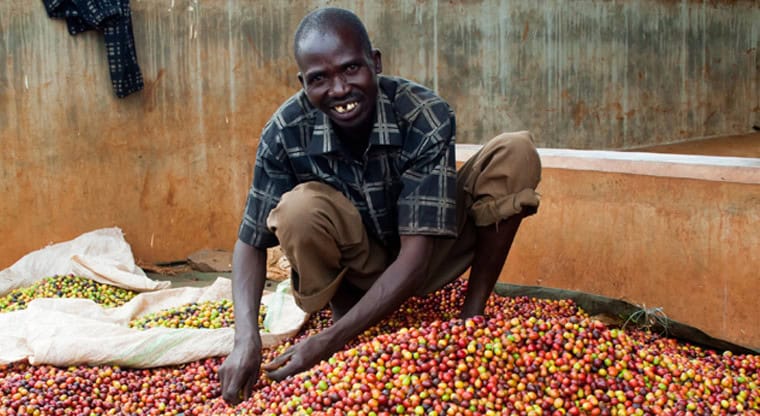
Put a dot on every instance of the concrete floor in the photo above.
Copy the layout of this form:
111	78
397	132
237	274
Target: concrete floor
199	279
188	278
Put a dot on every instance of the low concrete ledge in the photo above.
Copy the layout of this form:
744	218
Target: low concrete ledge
709	168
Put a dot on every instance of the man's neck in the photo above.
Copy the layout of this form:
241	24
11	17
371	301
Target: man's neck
356	141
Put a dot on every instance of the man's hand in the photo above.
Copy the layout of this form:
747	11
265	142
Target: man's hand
301	357
240	371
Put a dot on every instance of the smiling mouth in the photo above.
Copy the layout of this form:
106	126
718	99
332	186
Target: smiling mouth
342	109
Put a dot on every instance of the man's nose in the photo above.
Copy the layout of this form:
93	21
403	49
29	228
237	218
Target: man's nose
339	87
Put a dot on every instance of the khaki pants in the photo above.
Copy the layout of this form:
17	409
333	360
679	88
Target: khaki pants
322	234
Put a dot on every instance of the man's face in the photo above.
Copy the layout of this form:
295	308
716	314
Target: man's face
339	78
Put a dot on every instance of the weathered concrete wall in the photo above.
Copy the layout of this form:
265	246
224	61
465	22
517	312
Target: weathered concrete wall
172	163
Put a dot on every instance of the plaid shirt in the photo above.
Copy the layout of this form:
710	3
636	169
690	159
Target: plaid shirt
406	184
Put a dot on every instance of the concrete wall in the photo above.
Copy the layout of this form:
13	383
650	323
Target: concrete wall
171	165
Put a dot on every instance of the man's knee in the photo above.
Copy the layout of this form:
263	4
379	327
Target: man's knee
518	150
315	209
507	172
298	207
519	139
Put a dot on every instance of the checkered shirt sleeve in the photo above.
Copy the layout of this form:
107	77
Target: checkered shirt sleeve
271	178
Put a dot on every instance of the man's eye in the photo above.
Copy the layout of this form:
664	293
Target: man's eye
352	68
316	79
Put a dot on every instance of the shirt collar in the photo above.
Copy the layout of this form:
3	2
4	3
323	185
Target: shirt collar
385	132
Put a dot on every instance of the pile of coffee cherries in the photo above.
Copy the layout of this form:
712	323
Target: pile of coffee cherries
206	314
524	356
106	390
66	286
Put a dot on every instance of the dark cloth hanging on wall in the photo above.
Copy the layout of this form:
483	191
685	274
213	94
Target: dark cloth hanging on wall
114	19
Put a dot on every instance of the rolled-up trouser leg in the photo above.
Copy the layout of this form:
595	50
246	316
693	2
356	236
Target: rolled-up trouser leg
322	235
499	181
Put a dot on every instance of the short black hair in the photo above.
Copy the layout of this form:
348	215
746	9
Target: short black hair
324	20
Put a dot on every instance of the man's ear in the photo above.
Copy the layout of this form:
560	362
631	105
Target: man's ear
377	60
300	79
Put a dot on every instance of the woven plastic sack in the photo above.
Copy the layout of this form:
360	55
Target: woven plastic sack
67	332
102	255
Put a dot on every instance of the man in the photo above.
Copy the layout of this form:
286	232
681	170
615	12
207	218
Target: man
355	179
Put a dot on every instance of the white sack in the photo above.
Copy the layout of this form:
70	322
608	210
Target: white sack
101	255
67	332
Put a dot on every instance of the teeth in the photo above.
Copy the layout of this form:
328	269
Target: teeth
342	109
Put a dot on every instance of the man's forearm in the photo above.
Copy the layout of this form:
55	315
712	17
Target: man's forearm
399	281
248	280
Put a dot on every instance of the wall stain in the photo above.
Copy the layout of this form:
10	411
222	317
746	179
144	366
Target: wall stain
149	91
145	192
171	193
579	112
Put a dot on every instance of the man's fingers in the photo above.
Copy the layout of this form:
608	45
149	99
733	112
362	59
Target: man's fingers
238	387
284	371
231	392
285	365
248	389
279	360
